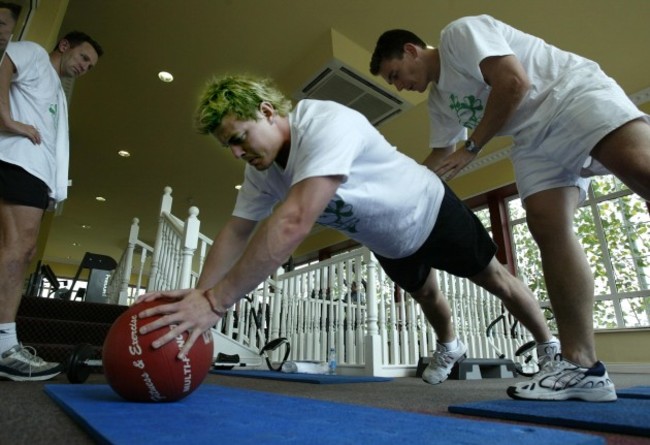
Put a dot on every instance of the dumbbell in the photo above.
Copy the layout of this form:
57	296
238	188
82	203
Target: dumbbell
79	363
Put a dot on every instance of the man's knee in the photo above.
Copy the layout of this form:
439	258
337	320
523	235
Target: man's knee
550	213
429	292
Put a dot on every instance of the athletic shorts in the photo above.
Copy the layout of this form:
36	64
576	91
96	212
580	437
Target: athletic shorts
20	187
555	151
458	244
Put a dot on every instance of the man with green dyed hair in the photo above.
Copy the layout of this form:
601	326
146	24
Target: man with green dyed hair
239	96
325	163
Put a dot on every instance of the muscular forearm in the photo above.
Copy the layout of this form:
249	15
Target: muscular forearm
437	154
226	249
509	85
501	106
269	248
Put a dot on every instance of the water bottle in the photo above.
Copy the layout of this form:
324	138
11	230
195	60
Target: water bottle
331	362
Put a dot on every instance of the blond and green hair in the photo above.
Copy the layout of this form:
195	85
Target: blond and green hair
239	96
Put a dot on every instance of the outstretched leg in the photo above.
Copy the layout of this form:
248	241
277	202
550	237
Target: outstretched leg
449	349
516	297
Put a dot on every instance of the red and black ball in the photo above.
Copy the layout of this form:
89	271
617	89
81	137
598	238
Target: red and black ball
138	372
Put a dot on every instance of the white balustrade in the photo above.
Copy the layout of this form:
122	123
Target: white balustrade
346	302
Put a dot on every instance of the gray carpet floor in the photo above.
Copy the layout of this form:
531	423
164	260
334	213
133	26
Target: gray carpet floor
29	416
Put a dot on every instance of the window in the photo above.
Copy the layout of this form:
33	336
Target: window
613	227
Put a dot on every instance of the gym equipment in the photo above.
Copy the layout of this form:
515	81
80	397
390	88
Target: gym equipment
227	362
79	364
100	267
475	368
218	414
525	350
138	372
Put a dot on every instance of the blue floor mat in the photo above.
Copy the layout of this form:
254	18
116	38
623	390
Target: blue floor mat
301	377
624	416
220	415
635	392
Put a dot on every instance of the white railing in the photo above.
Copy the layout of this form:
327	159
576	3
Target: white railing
128	270
346	302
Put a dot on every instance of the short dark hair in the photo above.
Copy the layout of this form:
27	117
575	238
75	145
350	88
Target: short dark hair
76	38
390	45
13	8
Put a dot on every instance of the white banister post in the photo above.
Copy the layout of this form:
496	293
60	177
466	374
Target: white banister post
190	242
128	263
165	207
373	358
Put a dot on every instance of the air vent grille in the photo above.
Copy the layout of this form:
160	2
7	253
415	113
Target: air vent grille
342	84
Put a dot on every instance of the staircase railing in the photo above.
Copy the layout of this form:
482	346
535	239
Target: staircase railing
346	302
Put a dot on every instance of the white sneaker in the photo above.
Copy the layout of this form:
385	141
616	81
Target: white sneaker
21	363
442	362
561	379
547	351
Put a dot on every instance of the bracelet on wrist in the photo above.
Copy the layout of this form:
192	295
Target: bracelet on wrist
221	314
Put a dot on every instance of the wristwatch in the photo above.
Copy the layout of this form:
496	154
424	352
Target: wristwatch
472	147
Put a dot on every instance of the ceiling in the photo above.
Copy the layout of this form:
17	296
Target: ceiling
122	105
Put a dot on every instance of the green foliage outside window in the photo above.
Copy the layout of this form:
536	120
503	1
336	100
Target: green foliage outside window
613	228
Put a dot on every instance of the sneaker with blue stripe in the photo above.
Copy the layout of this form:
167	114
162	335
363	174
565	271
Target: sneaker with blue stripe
561	379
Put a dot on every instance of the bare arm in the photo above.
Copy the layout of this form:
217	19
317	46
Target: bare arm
269	247
436	156
226	249
510	84
7	123
277	237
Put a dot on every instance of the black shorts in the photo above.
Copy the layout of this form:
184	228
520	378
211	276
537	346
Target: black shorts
20	187
458	244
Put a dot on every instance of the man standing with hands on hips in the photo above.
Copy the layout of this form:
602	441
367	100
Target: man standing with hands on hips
34	157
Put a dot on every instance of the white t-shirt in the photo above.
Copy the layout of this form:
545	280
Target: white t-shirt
387	201
37	98
457	102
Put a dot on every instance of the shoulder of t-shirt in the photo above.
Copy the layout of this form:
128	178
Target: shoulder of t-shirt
468	22
308	110
26	47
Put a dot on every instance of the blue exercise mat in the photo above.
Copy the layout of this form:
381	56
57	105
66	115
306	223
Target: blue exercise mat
220	415
635	392
625	416
301	377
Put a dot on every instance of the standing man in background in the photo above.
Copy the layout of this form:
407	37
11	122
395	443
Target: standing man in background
9	13
34	157
569	121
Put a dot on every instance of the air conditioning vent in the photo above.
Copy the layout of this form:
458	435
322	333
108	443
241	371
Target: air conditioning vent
342	84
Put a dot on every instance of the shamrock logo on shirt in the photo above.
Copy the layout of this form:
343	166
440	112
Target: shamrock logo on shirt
339	215
53	109
468	111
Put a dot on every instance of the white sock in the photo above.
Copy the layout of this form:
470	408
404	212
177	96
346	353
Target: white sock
450	346
553	339
541	347
8	338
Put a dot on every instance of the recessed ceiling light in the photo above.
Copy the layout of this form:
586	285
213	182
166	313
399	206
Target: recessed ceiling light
124	153
100	198
85	226
238	186
75	244
165	76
